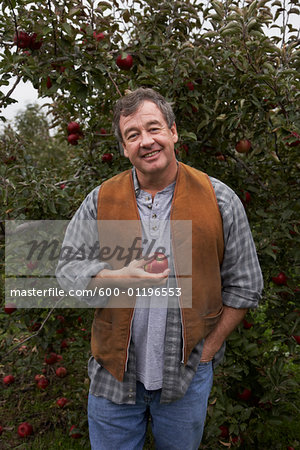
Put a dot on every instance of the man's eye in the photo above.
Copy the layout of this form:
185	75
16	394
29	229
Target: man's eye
132	136
154	129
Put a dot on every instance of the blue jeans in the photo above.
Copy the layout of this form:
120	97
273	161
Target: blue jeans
177	425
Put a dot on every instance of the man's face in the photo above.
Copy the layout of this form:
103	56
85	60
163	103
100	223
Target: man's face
147	140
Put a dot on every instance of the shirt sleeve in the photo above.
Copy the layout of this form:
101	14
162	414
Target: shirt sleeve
78	261
242	280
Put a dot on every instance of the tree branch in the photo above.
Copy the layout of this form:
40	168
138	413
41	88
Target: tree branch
11	90
35	334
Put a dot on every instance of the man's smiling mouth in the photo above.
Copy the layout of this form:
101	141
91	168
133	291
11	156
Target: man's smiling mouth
151	154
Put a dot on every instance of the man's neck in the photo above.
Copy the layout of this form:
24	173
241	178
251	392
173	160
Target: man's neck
153	184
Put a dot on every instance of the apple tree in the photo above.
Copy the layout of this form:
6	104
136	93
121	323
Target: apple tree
231	70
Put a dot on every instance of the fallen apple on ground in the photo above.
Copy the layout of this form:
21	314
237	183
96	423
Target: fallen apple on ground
74	432
9	379
61	372
25	429
42	383
61	402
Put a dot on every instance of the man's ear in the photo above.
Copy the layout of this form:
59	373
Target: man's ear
174	132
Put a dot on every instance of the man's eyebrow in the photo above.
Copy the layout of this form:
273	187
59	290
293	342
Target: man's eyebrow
151	122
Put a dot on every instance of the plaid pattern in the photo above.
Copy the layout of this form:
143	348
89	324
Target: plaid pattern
242	284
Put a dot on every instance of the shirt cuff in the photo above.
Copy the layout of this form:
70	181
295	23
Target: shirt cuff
240	298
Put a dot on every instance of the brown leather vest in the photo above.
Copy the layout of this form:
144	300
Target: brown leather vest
194	199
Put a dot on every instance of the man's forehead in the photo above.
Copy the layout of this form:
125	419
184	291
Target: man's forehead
145	112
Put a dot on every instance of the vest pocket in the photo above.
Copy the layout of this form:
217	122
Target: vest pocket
211	320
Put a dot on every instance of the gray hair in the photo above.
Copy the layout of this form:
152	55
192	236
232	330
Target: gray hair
130	103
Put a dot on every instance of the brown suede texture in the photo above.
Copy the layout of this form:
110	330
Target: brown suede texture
201	301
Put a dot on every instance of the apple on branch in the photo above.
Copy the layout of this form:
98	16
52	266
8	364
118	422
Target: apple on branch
22	39
280	279
243	146
107	157
98	36
124	61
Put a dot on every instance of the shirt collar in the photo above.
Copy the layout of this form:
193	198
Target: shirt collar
137	188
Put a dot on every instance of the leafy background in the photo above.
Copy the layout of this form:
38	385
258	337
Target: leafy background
229	78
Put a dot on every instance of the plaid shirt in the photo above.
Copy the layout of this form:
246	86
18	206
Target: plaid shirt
242	284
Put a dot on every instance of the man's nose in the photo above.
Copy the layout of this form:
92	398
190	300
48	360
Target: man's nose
146	139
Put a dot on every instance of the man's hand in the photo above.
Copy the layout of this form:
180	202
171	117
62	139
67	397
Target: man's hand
133	276
229	320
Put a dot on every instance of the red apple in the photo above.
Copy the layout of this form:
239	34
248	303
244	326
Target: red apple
224	431
190	85
34	326
107	157
25	429
158	264
103	131
245	198
42	383
61	402
194	109
280	279
49	83
74	432
38	377
22	39
73	128
1	430
243	146
62	186
61	318
64	343
297	338
237	440
245	395
124	63
9	379
61	372
247	325
9	308
220	156
51	358
296	139
73	139
34	44
98	36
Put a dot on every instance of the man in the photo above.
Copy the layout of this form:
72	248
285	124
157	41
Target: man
158	361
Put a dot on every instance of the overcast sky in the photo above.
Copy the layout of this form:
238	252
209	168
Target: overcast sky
26	94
